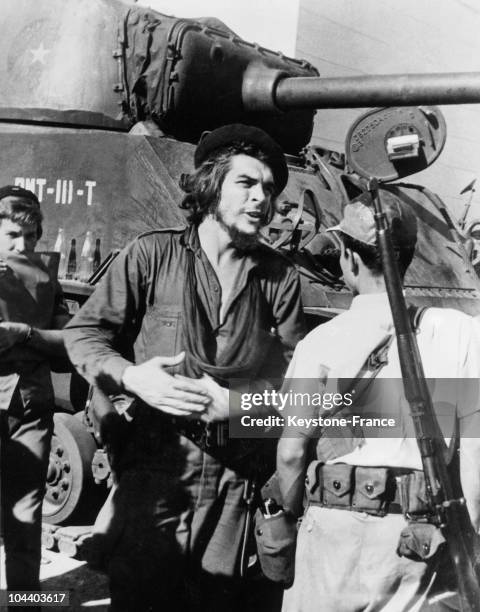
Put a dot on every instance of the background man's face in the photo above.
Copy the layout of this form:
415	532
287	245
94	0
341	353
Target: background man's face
17	237
246	196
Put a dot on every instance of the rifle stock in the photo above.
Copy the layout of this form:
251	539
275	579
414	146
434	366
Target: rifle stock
450	513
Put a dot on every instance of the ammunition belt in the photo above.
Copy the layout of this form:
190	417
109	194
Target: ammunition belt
374	490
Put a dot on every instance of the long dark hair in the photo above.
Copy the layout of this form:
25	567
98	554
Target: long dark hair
203	187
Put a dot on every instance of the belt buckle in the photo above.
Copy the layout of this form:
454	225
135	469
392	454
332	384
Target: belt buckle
401	481
208	435
214	434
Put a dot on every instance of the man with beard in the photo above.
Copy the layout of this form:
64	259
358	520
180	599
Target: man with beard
180	313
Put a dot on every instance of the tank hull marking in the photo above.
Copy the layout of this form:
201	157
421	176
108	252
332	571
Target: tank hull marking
64	189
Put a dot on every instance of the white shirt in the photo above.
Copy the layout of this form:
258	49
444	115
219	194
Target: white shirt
449	345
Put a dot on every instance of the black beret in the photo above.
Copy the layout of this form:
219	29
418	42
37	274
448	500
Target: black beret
18	192
248	134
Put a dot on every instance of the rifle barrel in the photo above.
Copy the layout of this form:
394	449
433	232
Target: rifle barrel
429	436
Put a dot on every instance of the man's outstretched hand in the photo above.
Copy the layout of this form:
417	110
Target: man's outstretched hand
178	396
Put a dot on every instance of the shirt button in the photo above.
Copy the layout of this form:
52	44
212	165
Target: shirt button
215	288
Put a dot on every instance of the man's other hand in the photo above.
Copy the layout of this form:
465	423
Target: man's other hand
219	408
12	334
179	396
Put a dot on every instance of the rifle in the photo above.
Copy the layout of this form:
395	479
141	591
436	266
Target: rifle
450	513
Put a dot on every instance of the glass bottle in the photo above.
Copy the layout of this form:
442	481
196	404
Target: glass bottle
72	260
61	247
86	259
97	256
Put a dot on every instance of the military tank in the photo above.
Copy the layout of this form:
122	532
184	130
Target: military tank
101	106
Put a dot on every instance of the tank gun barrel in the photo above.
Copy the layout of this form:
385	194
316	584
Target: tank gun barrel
266	89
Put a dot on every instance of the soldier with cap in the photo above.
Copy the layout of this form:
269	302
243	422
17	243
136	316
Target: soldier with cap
364	489
32	313
179	314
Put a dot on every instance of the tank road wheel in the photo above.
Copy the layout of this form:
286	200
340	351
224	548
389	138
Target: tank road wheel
71	492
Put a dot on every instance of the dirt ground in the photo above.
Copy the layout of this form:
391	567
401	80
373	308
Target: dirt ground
88	590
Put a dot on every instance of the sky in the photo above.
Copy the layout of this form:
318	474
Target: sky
270	23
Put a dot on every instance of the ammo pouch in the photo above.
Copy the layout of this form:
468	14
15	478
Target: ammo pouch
374	490
276	538
420	541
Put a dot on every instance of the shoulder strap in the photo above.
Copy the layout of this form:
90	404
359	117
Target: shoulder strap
415	314
378	358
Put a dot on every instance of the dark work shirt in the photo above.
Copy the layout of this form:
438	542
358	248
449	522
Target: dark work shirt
136	314
136	311
29	293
